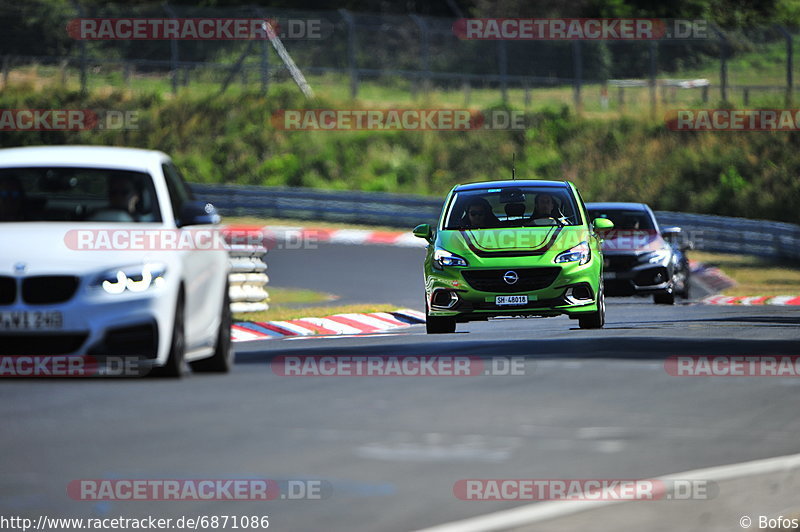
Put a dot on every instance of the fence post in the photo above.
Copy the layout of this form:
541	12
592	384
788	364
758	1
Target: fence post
351	51
653	54
789	61
82	47
723	65
467	88
84	69
527	94
723	75
173	52
6	67
746	96
502	67
604	95
424	52
577	65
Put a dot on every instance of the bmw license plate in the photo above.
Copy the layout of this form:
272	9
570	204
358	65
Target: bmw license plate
22	320
511	300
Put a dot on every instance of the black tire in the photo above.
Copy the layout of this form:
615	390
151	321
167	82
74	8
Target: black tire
664	298
222	359
174	366
438	324
595	320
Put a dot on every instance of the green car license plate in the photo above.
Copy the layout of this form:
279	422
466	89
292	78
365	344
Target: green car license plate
511	300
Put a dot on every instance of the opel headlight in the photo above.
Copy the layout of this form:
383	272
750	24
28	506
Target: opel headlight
580	254
442	257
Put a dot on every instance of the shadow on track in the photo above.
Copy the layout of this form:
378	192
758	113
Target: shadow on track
645	348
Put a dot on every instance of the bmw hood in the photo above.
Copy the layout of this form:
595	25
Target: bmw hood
44	248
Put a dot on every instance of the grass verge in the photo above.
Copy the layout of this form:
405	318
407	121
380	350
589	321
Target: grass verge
754	276
223	138
293	296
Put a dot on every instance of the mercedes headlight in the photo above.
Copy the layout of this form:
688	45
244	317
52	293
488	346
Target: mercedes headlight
655	257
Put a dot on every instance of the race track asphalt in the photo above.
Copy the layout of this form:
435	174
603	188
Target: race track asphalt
589	404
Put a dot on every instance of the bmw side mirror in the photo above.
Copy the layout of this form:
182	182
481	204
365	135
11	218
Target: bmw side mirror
198	213
424	231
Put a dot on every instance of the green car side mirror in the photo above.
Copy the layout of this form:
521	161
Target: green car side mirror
602	224
423	231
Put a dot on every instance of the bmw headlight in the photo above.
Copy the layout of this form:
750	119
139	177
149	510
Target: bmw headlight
655	257
580	254
442	257
131	278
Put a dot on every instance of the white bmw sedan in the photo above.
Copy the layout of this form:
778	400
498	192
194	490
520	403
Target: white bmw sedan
106	254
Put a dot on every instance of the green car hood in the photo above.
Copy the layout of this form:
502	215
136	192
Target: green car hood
522	241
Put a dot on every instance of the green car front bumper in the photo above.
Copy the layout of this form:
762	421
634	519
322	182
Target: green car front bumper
470	294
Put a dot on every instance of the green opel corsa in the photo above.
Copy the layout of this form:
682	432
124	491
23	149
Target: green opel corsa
513	248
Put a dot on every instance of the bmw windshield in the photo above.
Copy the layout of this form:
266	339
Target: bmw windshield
67	194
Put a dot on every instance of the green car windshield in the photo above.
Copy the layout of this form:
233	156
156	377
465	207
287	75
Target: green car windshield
492	208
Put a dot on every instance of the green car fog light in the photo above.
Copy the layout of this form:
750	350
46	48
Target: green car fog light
444	298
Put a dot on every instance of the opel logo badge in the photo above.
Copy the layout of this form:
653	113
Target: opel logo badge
20	267
511	277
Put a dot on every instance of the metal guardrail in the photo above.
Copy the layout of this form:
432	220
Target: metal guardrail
393	210
710	233
724	234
